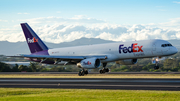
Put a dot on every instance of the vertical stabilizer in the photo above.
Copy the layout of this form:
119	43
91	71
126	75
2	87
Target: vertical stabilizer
34	42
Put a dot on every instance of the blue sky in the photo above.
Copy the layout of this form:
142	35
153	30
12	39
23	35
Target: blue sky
115	11
118	12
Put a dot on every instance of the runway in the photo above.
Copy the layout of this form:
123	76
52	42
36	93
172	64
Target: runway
89	72
92	83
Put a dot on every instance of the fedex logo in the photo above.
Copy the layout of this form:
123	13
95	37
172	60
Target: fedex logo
87	63
33	40
133	48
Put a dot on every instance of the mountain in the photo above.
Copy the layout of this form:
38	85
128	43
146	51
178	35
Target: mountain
175	43
78	42
9	48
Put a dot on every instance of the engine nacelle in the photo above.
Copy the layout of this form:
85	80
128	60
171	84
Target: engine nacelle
127	62
89	63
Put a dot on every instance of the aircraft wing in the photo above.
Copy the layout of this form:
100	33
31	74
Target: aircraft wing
102	57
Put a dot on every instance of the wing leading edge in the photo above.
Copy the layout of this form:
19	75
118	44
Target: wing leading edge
62	60
101	57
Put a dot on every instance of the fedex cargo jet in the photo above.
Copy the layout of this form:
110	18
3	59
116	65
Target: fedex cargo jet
91	56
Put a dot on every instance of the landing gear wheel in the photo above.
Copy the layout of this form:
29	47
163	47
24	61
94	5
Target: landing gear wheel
86	72
81	73
104	70
101	71
156	67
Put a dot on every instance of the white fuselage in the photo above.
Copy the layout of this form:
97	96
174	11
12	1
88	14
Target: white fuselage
120	50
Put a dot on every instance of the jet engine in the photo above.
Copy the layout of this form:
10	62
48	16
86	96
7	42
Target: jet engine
89	63
127	62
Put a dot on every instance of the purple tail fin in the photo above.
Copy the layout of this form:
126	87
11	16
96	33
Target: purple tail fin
34	42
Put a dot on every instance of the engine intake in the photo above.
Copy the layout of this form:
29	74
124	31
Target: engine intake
127	62
89	63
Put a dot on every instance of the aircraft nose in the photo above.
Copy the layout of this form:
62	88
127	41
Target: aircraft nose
174	50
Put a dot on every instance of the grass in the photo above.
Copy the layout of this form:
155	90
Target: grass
36	94
90	76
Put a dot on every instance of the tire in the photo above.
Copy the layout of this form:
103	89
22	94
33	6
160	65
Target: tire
156	67
107	69
79	74
100	71
85	72
104	71
82	73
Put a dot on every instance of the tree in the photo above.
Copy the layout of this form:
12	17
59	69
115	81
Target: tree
168	63
148	67
15	68
4	67
32	66
23	68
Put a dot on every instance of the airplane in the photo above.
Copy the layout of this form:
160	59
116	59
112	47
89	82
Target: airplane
92	56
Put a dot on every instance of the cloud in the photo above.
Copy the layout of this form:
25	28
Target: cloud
58	12
173	23
78	19
162	10
23	13
11	38
176	2
159	6
3	20
65	30
64	33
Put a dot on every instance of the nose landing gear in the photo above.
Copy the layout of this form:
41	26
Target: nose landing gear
155	61
156	67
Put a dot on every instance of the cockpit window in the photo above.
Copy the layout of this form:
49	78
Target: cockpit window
169	44
166	45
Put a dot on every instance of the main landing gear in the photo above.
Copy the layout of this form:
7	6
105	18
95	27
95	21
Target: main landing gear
83	72
104	70
155	61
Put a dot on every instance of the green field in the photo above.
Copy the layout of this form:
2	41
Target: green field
36	94
90	76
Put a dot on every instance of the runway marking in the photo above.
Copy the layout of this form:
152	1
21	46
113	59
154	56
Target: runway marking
28	84
121	85
96	81
92	85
